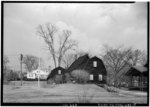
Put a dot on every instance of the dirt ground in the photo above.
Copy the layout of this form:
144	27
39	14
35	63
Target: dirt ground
64	93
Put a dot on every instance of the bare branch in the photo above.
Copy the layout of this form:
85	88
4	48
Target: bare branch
65	45
117	59
47	32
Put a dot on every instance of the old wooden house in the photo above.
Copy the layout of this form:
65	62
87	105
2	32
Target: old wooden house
138	76
56	75
94	66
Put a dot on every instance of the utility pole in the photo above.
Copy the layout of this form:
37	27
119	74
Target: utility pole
21	57
39	63
38	80
39	68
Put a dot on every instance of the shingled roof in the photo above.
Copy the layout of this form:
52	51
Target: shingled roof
80	63
86	63
137	70
55	72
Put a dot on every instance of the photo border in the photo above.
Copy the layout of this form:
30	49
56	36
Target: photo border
66	104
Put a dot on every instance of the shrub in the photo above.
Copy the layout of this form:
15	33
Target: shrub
111	89
80	76
58	79
67	78
50	81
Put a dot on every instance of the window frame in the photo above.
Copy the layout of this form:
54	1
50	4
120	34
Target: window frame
91	77
59	71
95	64
100	77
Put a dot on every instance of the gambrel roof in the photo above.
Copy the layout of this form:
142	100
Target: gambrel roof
55	72
86	63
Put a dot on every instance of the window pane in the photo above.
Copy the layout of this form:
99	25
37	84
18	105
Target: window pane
59	71
100	77
91	77
95	64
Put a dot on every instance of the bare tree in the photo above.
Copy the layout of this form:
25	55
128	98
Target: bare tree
119	60
5	68
68	59
5	62
47	32
31	62
65	45
116	59
143	58
138	57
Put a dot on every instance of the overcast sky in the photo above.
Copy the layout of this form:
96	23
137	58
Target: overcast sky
92	25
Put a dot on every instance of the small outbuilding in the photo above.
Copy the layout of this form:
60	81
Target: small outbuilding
56	75
94	66
138	77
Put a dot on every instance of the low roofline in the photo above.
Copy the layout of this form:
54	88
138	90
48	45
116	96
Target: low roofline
140	69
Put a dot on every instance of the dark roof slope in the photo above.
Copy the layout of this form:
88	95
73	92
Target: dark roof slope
146	65
100	65
55	72
136	70
86	63
80	63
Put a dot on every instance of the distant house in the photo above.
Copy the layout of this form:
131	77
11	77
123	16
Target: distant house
94	66
59	71
35	73
31	75
138	77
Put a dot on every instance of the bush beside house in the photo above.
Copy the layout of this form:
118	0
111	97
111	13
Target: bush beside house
80	76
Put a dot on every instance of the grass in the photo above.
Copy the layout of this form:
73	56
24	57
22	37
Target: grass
64	93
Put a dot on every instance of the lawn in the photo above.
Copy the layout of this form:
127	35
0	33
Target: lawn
64	93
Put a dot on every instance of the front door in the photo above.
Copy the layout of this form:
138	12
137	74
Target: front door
95	78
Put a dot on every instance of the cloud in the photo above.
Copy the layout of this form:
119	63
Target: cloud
84	43
92	25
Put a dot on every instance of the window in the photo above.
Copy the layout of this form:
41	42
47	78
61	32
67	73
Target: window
91	77
30	75
145	81
59	71
95	64
100	77
135	81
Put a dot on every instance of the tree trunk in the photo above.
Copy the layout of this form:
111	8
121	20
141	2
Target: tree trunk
54	60
59	60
